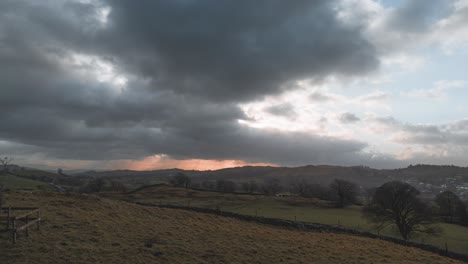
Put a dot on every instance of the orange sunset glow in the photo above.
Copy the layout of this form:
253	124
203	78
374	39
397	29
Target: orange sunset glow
163	162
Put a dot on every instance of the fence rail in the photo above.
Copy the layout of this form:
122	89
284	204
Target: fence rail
25	219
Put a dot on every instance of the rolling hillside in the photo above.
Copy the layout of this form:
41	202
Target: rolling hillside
88	229
289	208
322	174
14	182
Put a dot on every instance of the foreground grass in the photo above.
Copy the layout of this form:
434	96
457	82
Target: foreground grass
89	229
291	208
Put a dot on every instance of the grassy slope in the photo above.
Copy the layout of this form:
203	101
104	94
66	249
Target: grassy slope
35	172
14	182
88	229
308	210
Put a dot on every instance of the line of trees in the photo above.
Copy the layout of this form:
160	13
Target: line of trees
103	184
343	193
394	204
270	186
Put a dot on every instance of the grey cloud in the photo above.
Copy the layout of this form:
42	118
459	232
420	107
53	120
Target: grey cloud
375	96
455	133
417	16
320	97
349	118
188	64
285	109
234	50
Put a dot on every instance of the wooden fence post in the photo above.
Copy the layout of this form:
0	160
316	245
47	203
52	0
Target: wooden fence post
13	223
8	218
27	228
39	222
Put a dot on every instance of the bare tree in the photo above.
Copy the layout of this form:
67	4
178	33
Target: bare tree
225	186
208	185
249	187
450	206
5	162
367	194
272	186
1	196
345	192
181	180
397	204
300	187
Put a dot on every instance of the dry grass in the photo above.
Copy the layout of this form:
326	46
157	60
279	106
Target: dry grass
290	208
88	229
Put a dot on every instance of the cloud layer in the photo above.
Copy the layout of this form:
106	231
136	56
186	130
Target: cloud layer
102	81
124	79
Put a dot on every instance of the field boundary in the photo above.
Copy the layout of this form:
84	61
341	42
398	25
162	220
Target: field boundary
191	188
314	227
25	217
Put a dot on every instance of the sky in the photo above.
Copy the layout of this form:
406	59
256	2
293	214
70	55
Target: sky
109	84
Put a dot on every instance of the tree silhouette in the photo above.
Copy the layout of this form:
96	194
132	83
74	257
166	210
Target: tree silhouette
181	180
397	203
4	162
450	206
344	191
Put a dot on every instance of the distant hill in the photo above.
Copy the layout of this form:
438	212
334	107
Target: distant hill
418	175
322	174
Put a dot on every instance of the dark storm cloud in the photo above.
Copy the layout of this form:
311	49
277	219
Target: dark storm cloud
188	65
234	50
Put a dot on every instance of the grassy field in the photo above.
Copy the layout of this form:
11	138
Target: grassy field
291	208
89	229
14	182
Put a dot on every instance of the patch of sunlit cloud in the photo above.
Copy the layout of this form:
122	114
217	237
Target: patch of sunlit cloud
96	69
165	162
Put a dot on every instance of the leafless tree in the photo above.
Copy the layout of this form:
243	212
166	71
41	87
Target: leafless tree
272	187
367	194
345	192
300	187
225	186
450	206
397	204
5	162
1	196
249	187
181	180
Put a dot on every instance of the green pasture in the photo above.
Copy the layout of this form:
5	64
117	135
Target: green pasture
290	208
15	182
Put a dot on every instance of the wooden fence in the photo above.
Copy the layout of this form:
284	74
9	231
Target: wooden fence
22	221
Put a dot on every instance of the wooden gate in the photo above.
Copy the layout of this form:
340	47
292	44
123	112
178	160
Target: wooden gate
22	221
